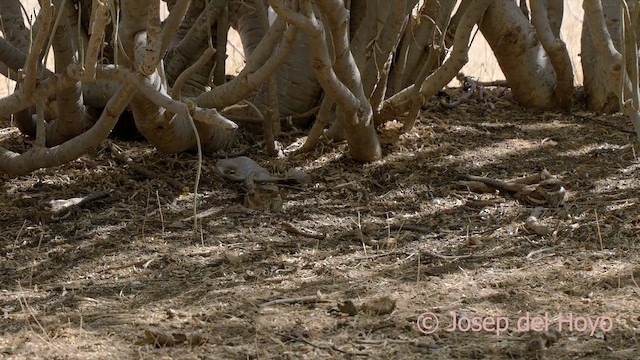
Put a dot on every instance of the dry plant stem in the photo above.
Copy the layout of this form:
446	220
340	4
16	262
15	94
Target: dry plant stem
630	62
321	60
556	49
265	48
263	62
368	29
222	29
255	110
524	8
354	109
17	101
459	55
609	55
172	136
261	15
386	46
384	43
402	56
455	21
13	27
72	118
630	106
17	44
357	10
185	75
154	18
555	13
272	119
41	126
195	40
99	20
15	59
412	116
322	120
147	56
255	120
146	88
12	58
400	103
427	31
15	40
198	32
601	92
246	19
299	90
134	19
45	18
520	55
36	158
172	23
77	31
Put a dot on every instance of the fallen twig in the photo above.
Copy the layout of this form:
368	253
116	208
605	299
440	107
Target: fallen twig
290	228
63	208
374	256
540	251
144	262
447	257
311	299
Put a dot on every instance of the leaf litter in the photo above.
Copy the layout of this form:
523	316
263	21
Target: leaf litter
127	276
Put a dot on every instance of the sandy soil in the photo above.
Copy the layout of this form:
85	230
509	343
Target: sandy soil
348	265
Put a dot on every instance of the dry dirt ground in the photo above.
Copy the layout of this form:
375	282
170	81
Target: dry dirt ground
354	258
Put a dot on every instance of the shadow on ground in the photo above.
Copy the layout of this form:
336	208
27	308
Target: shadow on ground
91	285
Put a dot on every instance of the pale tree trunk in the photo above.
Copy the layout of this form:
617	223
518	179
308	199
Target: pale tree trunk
340	81
544	82
618	68
297	91
601	92
353	65
18	35
72	117
428	84
422	45
174	132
